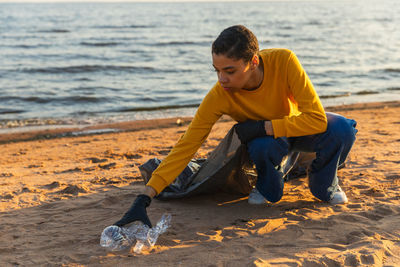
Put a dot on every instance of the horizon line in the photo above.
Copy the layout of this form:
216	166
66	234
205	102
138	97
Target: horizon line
136	1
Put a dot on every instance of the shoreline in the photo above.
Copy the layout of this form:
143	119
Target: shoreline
20	134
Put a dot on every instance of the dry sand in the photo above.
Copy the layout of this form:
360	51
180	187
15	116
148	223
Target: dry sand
58	193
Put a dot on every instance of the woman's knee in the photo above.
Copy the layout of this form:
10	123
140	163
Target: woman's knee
271	193
274	196
268	148
341	127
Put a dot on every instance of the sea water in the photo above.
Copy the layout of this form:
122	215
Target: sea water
85	63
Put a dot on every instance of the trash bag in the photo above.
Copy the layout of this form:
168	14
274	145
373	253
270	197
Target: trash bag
227	168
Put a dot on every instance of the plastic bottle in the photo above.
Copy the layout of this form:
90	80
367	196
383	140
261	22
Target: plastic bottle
120	238
115	238
150	238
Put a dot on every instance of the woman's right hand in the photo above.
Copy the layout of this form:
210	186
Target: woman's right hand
137	212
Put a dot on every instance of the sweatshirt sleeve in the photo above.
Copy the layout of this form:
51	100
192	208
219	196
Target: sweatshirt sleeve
198	130
311	118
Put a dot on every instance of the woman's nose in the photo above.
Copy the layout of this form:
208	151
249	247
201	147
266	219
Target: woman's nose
222	78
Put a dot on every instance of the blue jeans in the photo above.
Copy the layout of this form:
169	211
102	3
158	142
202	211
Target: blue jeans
331	147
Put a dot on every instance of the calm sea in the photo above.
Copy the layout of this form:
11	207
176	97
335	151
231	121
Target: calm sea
83	63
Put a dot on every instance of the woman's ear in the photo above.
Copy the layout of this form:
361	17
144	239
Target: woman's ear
255	61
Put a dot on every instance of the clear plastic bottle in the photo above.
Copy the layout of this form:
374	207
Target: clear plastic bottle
117	238
150	238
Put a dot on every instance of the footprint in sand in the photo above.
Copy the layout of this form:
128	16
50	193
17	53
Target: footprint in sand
352	260
163	152
7	196
73	190
96	160
385	210
52	185
360	186
324	261
69	170
357	236
28	190
108	166
393	176
374	192
32	166
381	132
130	155
354	206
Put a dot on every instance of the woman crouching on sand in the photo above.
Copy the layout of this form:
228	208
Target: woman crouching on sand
278	111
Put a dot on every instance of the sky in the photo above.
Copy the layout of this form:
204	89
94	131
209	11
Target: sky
119	1
116	1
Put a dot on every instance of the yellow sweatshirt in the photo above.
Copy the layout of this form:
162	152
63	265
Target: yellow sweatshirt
286	97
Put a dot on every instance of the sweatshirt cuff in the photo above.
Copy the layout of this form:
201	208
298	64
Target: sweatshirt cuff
158	183
279	128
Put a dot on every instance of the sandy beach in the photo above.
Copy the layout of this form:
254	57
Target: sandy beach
60	188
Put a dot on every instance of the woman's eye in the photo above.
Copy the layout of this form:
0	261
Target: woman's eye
227	72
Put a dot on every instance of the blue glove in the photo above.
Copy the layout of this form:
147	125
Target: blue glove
137	212
249	130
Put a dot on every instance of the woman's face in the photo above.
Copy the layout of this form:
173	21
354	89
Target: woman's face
232	74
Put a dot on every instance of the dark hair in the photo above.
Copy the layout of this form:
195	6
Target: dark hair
236	42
